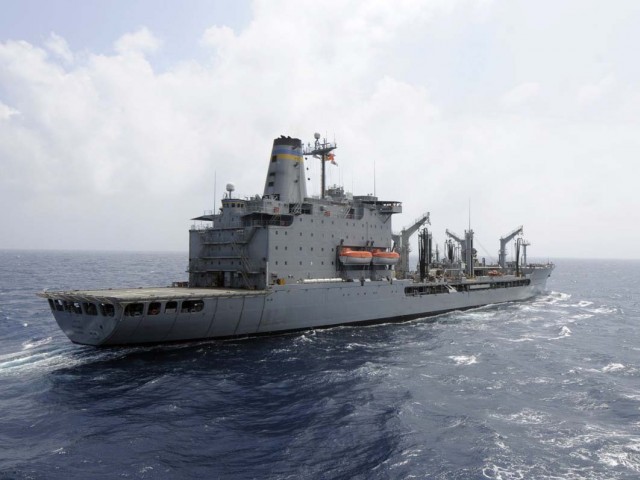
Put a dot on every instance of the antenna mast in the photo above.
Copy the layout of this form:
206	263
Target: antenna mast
215	186
321	150
374	177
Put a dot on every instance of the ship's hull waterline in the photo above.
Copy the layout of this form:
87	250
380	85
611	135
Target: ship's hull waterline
142	316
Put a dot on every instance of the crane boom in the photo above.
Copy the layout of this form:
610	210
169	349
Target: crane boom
456	237
401	242
466	247
502	255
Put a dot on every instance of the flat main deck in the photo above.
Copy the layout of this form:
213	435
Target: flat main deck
146	294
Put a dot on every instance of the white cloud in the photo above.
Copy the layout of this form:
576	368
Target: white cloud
6	112
590	93
59	46
141	41
110	140
217	36
520	95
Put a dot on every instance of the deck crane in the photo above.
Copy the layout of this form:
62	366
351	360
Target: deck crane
524	244
502	255
401	244
466	247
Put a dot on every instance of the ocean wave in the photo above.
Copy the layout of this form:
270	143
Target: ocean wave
627	456
46	357
603	310
42	361
526	338
496	472
564	333
613	367
552	298
36	343
609	447
464	359
525	417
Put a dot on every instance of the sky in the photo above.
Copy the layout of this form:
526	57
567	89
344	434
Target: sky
122	120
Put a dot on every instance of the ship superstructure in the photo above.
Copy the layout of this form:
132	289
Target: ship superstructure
285	261
284	236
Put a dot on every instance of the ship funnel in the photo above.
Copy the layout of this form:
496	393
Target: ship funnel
286	176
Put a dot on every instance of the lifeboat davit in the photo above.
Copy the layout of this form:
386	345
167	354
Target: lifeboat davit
355	257
381	257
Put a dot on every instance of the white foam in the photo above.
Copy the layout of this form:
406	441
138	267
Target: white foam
46	361
603	310
519	340
495	472
564	332
351	346
305	338
627	456
553	298
580	316
43	358
464	359
525	417
613	367
36	343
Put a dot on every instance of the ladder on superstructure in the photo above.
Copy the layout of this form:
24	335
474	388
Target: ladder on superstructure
244	260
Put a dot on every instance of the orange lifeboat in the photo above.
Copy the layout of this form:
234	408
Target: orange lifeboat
355	257
381	257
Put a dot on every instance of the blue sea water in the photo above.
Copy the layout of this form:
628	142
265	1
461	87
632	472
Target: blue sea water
543	389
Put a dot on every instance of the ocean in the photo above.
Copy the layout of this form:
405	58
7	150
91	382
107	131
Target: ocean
543	389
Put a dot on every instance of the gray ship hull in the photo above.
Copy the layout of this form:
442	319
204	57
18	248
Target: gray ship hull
139	316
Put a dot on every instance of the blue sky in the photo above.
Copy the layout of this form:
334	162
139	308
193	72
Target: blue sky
94	25
115	117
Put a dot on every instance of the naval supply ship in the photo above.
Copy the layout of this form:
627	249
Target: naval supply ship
284	261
